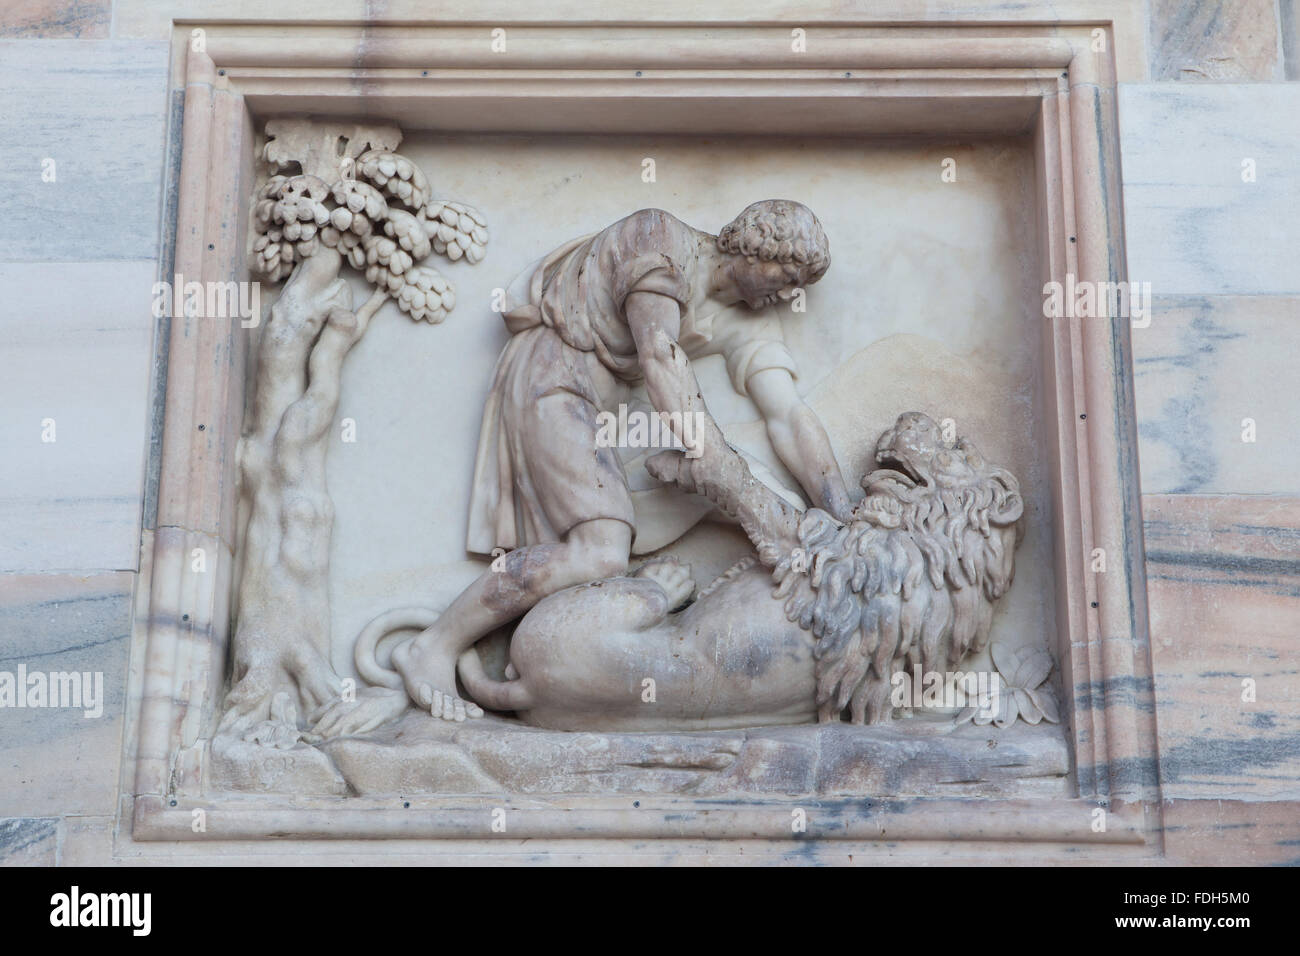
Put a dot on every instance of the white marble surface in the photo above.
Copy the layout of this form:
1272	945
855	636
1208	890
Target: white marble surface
78	350
1192	225
97	108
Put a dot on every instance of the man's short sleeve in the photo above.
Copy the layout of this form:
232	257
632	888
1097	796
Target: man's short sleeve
652	253
750	343
757	356
651	272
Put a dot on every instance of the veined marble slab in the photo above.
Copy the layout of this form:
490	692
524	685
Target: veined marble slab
1289	21
1223	576
31	841
1215	41
78	351
1204	367
50	19
97	109
58	760
1192	225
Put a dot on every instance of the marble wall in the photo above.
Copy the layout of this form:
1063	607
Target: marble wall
77	262
88	84
1211	197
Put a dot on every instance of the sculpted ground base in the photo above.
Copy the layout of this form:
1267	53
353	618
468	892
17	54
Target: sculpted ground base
912	757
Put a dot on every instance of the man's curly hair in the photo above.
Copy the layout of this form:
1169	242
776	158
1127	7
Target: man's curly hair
779	230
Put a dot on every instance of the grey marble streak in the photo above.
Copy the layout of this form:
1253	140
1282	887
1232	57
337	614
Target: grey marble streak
1209	40
98	109
1289	24
1203	366
1223	574
31	841
58	760
1192	225
50	19
162	328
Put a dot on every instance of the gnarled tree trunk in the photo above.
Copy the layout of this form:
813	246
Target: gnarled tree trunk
281	668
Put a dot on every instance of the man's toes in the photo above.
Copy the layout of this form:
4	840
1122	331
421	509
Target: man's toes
435	703
473	710
458	713
426	695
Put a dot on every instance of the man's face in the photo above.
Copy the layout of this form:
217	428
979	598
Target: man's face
761	284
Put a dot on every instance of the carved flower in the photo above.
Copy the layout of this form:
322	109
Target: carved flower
348	243
407	232
300	206
425	294
264	208
396	175
287	216
274	254
360	207
455	229
1024	693
385	262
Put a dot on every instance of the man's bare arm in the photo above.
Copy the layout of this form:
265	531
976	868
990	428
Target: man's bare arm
712	468
799	440
656	321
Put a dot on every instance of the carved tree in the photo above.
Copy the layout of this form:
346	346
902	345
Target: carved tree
337	195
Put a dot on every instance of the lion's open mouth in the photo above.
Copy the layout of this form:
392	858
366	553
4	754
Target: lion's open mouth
894	469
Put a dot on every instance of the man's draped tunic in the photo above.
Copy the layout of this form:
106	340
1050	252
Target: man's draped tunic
540	470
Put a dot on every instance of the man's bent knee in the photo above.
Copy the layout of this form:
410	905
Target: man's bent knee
597	549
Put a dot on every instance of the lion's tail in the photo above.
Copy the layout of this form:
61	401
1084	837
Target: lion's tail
490	693
363	652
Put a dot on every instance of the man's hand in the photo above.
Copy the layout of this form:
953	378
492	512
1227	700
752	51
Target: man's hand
799	440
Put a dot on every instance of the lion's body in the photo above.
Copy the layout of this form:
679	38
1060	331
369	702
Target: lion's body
908	584
733	659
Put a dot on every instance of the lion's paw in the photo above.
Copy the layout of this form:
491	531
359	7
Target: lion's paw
671	575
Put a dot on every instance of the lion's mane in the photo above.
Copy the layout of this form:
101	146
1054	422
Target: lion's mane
908	583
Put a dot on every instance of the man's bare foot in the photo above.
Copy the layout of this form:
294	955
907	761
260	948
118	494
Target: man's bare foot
426	673
671	575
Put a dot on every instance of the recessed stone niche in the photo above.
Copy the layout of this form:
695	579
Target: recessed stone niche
954	172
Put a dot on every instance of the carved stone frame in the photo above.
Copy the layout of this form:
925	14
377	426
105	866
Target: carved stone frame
1045	82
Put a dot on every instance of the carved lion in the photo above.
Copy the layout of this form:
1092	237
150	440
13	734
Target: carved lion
817	624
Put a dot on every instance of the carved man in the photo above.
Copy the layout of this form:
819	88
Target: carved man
629	304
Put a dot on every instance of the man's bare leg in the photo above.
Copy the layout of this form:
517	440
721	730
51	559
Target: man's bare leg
590	551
